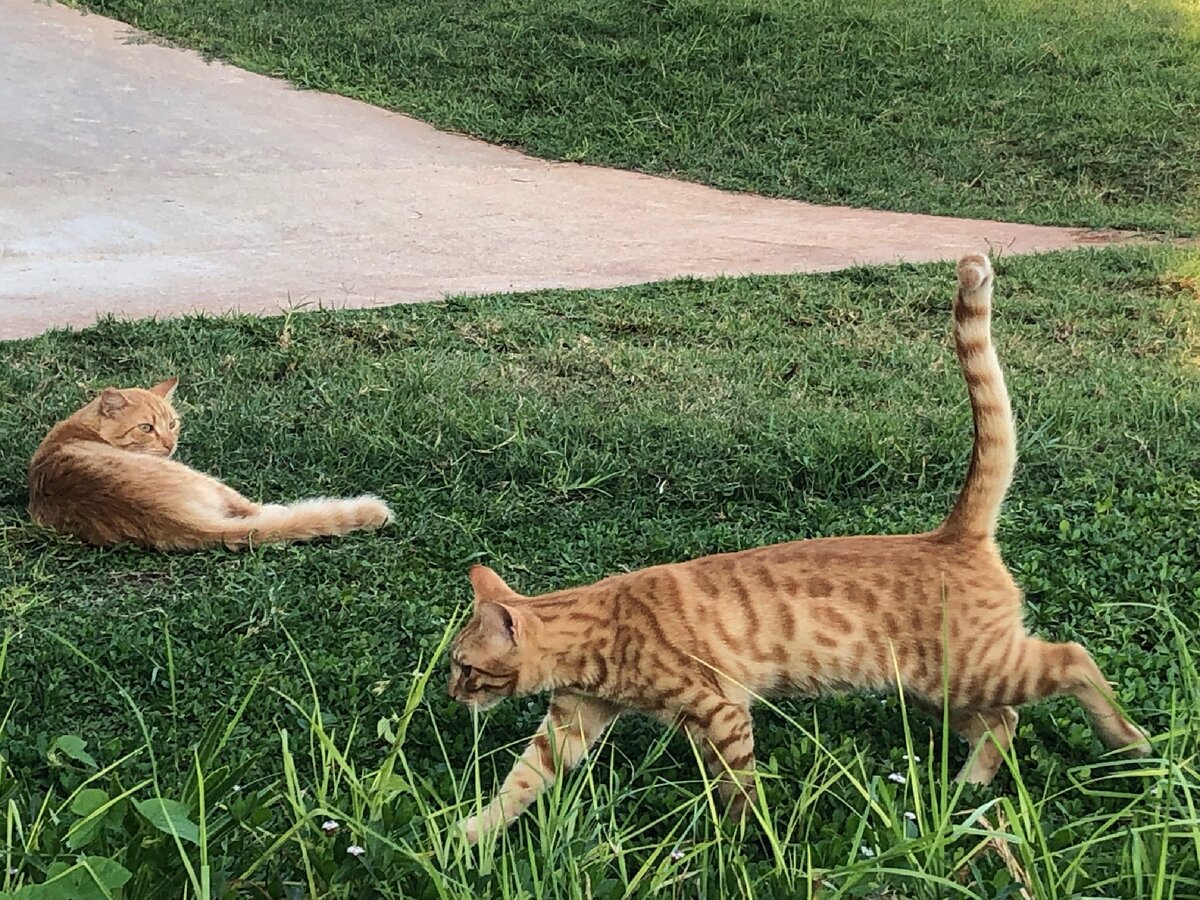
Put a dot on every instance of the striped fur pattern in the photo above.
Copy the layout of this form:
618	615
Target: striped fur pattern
693	643
105	475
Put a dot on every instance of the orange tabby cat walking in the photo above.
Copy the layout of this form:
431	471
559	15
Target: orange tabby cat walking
103	475
693	643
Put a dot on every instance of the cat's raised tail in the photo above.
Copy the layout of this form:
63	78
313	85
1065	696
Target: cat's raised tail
994	454
300	521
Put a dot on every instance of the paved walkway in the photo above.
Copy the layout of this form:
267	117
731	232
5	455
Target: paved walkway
140	180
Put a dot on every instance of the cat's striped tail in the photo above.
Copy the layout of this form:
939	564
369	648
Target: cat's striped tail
994	455
301	521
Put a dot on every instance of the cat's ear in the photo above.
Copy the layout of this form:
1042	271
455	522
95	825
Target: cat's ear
166	388
112	402
502	621
489	586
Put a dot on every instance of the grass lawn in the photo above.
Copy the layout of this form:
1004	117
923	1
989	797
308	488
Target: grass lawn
239	701
1071	112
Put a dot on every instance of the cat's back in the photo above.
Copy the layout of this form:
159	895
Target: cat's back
62	454
826	605
805	567
71	470
771	589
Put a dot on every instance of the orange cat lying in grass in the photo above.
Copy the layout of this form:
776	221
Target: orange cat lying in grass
694	643
104	475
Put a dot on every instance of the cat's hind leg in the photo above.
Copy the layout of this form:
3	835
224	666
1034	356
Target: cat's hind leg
220	499
238	506
572	724
1048	670
231	503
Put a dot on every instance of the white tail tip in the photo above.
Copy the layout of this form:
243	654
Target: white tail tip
974	271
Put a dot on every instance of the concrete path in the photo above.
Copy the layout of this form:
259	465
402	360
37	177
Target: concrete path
140	180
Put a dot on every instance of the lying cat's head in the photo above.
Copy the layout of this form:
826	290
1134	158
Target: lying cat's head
491	657
138	420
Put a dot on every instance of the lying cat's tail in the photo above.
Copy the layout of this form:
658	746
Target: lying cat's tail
994	455
301	521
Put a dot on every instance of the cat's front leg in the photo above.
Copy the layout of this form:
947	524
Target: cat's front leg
573	723
724	733
989	732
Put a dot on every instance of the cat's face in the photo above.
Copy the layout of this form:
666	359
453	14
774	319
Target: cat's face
138	420
489	654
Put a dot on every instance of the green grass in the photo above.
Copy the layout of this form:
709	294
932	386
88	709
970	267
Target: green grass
560	437
1070	112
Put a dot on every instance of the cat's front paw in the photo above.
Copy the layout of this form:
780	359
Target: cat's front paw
469	829
974	271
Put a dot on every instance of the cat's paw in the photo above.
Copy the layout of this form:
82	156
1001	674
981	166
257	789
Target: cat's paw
974	271
1140	748
468	829
1118	733
1137	743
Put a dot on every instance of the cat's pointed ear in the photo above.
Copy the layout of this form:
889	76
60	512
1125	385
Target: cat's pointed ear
112	402
505	622
489	586
166	388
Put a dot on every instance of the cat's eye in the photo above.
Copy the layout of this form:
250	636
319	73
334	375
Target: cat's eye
174	424
146	427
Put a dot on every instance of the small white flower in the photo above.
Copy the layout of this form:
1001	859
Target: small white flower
13	871
237	788
896	777
866	851
677	855
329	826
911	816
355	850
913	758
